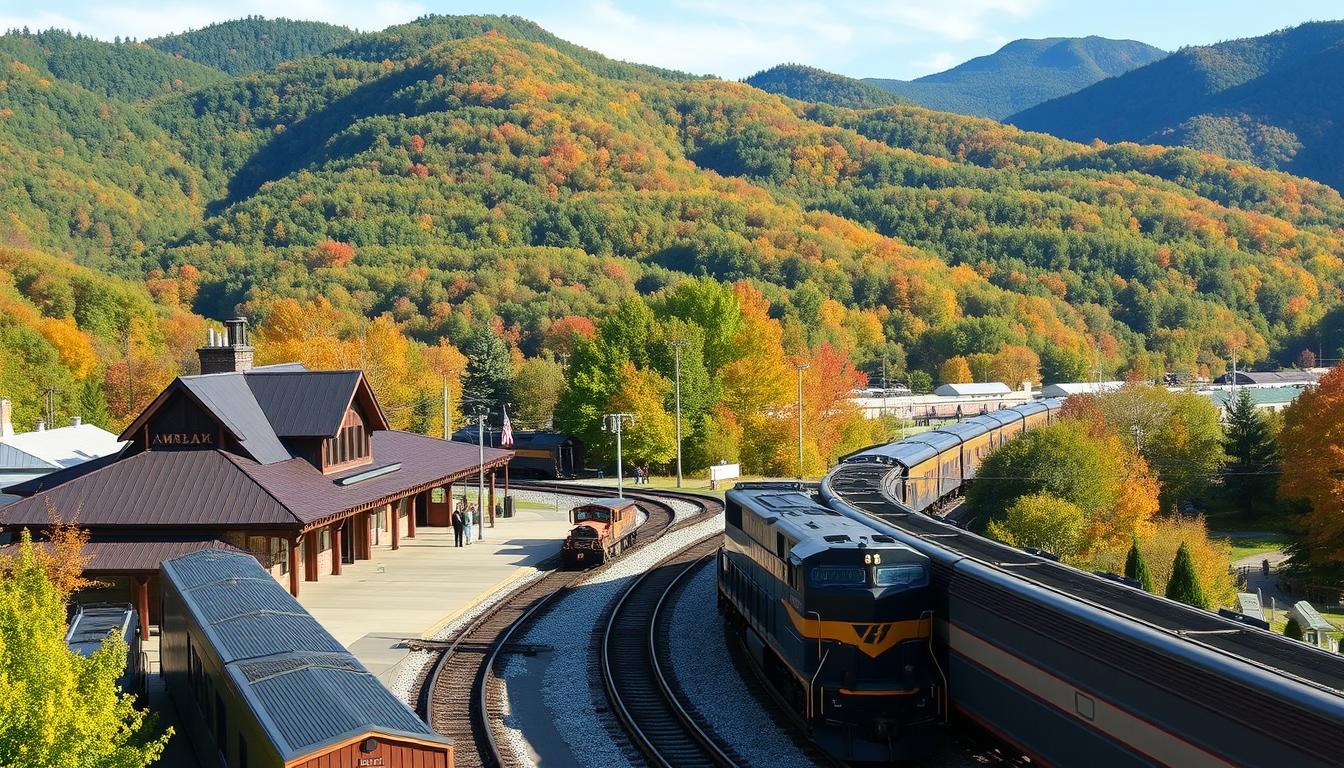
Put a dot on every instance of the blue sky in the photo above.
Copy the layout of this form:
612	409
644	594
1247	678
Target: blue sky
861	38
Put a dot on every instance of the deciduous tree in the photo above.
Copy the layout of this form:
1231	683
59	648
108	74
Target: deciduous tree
1312	443
1044	521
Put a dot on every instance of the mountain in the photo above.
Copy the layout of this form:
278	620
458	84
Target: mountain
457	174
1273	100
1023	73
810	84
253	44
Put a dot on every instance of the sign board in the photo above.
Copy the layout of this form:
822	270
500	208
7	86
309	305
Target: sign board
720	472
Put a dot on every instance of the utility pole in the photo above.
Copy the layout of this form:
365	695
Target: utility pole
447	412
611	422
800	367
482	413
676	345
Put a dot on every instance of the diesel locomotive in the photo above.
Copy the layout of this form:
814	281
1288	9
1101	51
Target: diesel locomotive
603	528
838	615
1073	668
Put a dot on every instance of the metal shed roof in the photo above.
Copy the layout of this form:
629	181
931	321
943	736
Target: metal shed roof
305	689
940	440
958	390
227	396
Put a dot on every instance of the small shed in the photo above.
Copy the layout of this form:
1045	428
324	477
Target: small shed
1315	629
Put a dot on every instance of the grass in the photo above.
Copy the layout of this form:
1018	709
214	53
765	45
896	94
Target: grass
692	484
1249	546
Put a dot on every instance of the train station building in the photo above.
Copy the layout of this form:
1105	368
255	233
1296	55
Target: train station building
296	467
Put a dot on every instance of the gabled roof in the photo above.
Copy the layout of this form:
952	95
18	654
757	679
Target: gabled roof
230	400
1269	377
57	448
305	403
306	690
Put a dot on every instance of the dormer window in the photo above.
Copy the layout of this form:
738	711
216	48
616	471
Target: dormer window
350	445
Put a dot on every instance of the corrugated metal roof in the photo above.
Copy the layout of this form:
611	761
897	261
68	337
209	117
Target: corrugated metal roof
230	399
303	403
1269	377
307	691
13	458
93	622
52	479
166	489
1225	398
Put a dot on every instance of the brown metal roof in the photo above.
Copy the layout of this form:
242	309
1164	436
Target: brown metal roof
166	489
425	461
133	557
212	489
304	403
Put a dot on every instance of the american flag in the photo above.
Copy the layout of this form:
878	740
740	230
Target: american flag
506	434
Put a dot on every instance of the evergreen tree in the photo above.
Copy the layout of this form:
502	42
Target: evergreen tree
1136	567
489	373
1184	585
93	405
1252	455
1292	629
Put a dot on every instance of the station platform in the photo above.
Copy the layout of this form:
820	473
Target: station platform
376	605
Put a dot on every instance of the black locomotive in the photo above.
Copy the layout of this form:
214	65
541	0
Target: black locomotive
839	616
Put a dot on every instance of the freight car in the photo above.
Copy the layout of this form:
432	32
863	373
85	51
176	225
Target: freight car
603	528
839	616
258	683
1073	668
91	623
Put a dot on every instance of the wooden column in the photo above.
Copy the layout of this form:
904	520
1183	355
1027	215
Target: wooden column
336	545
366	546
294	566
142	605
492	498
506	480
418	502
310	554
394	515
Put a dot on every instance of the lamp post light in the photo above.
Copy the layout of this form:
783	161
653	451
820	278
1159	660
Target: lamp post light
800	367
482	413
611	422
676	345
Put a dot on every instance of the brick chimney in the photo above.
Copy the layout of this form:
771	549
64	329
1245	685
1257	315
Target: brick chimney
228	352
6	418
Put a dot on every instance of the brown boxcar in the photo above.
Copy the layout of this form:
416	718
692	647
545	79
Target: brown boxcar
258	683
603	528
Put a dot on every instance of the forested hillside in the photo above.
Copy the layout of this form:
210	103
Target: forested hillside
1022	74
253	44
469	197
1273	100
810	84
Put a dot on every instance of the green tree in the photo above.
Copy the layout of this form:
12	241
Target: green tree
651	436
58	708
1252	456
1177	432
1043	521
1061	460
1136	567
1184	584
536	389
1292	629
93	404
489	373
920	382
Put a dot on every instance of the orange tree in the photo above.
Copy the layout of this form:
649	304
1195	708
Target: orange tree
1312	446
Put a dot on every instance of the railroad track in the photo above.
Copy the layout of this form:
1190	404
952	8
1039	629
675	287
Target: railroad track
456	694
635	666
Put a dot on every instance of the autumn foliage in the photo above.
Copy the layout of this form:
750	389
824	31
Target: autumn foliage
1312	449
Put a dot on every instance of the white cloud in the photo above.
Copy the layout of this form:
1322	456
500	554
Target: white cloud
936	63
145	20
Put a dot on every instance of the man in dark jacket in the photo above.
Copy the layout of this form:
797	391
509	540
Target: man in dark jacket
459	523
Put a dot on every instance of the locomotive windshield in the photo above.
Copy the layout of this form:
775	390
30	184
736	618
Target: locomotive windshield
836	576
907	575
596	514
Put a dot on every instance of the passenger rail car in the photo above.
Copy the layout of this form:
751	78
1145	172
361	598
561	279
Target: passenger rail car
1076	669
91	623
839	616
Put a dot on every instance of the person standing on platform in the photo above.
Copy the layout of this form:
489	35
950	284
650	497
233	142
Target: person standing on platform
458	525
468	518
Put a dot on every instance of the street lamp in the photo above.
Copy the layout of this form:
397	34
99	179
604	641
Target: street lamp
800	367
676	345
611	422
482	413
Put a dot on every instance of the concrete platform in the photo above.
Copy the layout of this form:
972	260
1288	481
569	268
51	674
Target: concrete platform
375	605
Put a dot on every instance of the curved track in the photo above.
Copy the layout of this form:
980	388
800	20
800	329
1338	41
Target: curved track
456	696
634	661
